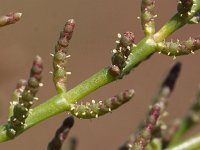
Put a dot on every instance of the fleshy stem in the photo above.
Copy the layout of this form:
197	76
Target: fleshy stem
21	85
96	109
10	18
121	52
21	109
175	23
190	144
187	122
61	102
147	16
61	134
179	47
60	57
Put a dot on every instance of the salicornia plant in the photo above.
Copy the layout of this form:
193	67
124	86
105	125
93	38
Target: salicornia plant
154	133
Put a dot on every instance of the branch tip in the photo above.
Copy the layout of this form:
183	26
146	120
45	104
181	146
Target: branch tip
10	18
96	109
24	95
60	57
148	16
61	134
172	76
121	53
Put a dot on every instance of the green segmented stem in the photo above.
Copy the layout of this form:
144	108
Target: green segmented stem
16	95
21	110
180	47
144	49
61	134
96	109
121	53
147	16
60	57
176	22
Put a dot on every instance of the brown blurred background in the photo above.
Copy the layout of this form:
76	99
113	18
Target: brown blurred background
97	24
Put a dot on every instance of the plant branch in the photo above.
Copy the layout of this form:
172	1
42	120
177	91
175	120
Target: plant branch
179	47
61	134
61	102
10	18
96	109
176	22
163	93
187	122
60	57
147	16
190	144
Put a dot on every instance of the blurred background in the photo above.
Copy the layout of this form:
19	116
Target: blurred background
97	25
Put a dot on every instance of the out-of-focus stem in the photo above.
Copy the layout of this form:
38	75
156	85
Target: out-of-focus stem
96	109
61	134
190	144
147	16
60	57
10	18
186	123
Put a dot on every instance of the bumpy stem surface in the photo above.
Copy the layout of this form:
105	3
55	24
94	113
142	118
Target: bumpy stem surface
96	109
10	18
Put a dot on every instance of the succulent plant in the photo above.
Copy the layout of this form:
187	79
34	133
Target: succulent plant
154	133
